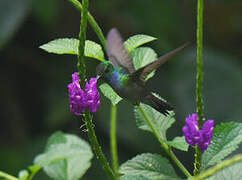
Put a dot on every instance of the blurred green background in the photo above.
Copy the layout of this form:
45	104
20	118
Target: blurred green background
34	99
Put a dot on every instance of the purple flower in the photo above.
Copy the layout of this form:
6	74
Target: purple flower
80	100
191	130
207	134
194	136
92	95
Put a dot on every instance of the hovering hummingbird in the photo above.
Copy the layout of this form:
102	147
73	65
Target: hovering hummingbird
127	82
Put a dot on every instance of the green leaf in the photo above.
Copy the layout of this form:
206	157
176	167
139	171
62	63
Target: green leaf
160	121
136	41
58	170
66	157
56	138
226	139
143	56
134	177
28	174
232	172
179	143
70	46
23	174
110	93
62	46
152	166
93	50
33	170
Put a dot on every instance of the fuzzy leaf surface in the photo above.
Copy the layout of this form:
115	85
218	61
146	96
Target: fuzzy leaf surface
179	143
136	41
152	166
110	93
70	46
66	157
226	139
160	121
143	56
134	177
232	172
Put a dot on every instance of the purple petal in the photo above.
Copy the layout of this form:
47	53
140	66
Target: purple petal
208	126
80	100
93	96
75	77
207	133
194	136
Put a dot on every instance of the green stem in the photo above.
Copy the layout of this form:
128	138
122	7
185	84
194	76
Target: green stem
218	167
7	176
113	138
199	78
162	142
92	22
82	37
151	125
96	147
197	161
199	81
88	118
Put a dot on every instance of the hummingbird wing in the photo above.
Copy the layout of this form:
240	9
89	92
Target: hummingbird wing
117	53
143	72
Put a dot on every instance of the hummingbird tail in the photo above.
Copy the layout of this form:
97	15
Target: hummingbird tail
158	104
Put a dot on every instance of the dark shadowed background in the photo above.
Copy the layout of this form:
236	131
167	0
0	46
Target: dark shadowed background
33	93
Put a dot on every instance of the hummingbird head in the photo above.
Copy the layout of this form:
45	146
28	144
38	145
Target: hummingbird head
103	68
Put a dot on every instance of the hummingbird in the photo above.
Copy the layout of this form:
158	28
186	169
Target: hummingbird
130	84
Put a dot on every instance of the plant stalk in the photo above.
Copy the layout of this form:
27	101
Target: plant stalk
7	176
81	66
166	147
113	139
199	77
218	167
96	147
92	22
199	82
82	72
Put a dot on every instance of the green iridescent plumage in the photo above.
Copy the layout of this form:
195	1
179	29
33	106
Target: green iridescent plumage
127	82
